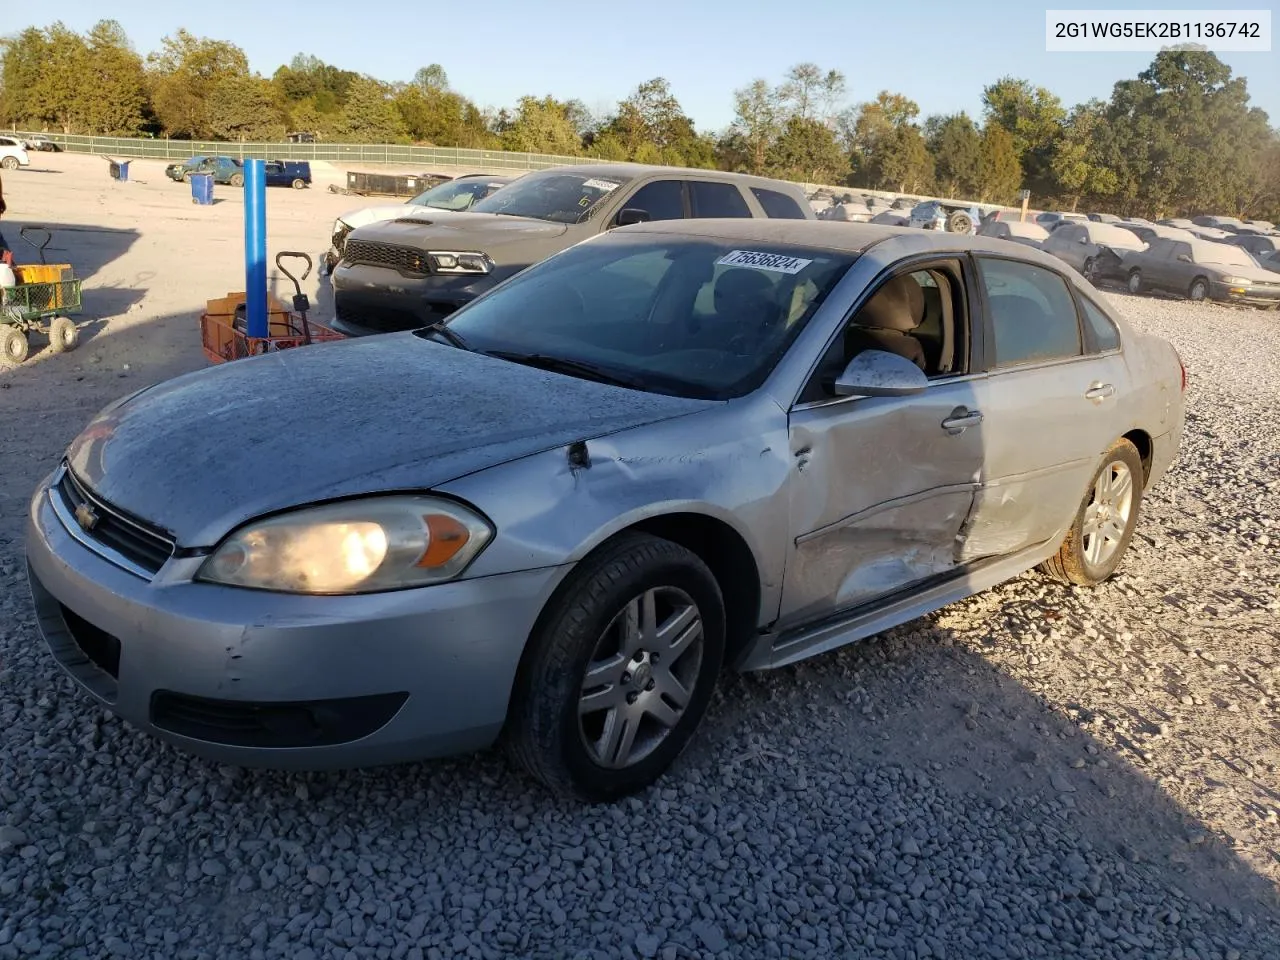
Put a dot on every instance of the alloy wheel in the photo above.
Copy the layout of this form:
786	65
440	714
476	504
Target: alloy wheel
1106	518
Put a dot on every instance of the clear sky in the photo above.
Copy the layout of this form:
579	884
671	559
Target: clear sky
940	53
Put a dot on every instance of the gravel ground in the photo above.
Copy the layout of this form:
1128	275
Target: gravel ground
1036	772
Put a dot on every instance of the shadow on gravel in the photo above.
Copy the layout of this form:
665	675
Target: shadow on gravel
87	247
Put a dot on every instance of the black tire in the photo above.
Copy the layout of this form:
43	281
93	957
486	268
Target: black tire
1071	564
64	335
9	163
299	184
959	222
544	734
1199	289
1135	281
13	345
1090	270
237	180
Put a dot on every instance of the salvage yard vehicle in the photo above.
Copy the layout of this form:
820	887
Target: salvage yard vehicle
13	154
1202	270
287	173
943	215
405	273
1030	234
226	170
1095	249
638	461
458	194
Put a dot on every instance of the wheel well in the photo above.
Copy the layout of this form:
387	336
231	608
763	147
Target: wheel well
731	562
1142	441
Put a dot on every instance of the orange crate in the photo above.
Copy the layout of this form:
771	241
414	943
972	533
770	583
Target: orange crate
43	272
222	341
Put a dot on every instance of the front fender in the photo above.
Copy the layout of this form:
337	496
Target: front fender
731	463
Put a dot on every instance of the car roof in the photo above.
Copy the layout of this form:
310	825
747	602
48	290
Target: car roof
836	236
636	170
1025	228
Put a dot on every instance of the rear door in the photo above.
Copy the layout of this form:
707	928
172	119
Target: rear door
709	198
1048	406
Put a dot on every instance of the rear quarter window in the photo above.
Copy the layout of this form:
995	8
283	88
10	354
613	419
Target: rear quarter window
777	206
1103	332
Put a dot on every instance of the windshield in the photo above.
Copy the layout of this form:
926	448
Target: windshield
1224	254
693	317
453	194
554	195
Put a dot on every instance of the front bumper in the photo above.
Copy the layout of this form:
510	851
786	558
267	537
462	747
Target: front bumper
1257	296
370	299
252	678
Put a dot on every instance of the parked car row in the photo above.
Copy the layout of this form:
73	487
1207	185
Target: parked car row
1207	257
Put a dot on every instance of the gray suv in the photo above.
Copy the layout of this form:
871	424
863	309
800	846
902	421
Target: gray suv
404	274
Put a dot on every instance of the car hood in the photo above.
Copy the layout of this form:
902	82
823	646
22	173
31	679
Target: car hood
454	230
202	453
355	219
1260	274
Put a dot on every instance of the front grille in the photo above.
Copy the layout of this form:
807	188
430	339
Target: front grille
386	255
241	723
378	318
95	643
125	536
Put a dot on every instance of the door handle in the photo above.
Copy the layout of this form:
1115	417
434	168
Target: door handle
1100	391
960	419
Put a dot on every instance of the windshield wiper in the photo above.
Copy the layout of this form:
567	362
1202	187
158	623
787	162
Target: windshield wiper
452	336
574	368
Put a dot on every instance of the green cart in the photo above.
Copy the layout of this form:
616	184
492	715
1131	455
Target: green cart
42	301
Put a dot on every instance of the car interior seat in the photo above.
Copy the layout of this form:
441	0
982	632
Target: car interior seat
887	320
747	299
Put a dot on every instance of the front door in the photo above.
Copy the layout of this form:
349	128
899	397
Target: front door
882	485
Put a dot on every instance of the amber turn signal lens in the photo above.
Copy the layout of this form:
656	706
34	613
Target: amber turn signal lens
448	536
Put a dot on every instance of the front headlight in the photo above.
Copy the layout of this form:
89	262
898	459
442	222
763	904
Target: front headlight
357	546
453	261
1237	280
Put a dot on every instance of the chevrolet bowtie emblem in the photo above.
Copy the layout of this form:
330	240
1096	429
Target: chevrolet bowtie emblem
86	517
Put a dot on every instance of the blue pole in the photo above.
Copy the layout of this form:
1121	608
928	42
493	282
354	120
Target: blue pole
255	247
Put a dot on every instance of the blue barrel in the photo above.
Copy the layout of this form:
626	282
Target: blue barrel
123	175
202	188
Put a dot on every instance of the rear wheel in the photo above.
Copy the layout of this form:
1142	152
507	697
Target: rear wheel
237	179
64	335
620	670
1135	281
13	345
9	163
186	177
299	183
1199	289
1104	522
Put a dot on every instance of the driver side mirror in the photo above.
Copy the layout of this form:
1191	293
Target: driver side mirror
632	215
878	373
1083	240
1183	258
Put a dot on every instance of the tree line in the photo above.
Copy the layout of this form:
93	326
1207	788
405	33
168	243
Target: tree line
1180	138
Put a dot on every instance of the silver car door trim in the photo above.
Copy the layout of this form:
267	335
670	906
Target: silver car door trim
1098	392
961	419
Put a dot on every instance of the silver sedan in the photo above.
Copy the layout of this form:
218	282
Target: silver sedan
550	522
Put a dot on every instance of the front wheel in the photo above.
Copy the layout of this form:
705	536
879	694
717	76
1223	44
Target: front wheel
1090	270
64	335
13	345
1104	522
1199	289
1135	281
237	180
960	222
619	671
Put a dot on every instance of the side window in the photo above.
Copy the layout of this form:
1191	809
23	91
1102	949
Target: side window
662	200
1105	335
1181	250
777	205
1160	249
1033	315
920	315
717	200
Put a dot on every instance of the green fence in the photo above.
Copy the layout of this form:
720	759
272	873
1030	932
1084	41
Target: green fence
490	161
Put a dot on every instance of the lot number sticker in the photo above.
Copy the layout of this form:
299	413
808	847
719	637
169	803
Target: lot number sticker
605	185
763	261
